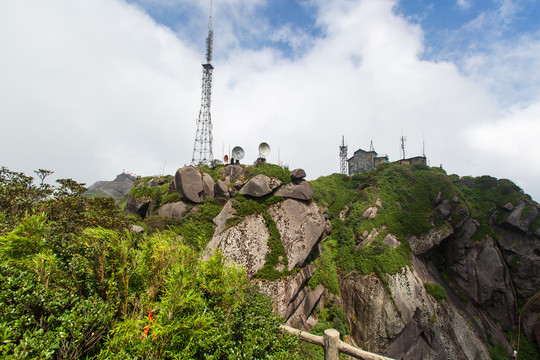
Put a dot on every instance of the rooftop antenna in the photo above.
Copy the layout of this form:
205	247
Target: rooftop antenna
423	147
202	150
343	156
403	139
371	146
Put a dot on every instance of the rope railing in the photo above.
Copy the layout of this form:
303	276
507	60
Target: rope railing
333	345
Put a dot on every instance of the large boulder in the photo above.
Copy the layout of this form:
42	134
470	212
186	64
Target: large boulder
260	185
208	185
424	243
155	182
175	210
299	191
231	173
221	190
220	221
193	185
140	206
300	226
245	244
298	174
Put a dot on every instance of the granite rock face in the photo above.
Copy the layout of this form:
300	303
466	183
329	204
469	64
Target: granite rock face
478	268
292	297
301	226
407	323
244	244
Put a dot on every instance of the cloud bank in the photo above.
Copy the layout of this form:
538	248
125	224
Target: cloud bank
91	88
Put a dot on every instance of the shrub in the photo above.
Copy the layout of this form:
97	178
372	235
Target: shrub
325	272
271	170
437	291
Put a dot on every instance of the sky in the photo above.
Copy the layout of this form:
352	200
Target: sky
92	88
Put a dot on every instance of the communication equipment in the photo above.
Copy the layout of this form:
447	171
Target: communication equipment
264	149
238	153
226	159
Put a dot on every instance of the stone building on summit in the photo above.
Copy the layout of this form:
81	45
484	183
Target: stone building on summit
363	161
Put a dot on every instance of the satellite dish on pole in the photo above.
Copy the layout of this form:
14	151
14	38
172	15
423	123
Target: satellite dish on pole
264	149
238	153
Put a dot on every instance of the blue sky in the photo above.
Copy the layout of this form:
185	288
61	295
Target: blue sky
116	84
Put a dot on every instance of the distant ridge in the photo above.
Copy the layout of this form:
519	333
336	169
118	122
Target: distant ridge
117	188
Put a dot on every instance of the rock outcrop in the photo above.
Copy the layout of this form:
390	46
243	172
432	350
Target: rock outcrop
175	210
245	244
260	185
140	206
293	299
231	173
301	190
478	268
406	323
193	185
300	226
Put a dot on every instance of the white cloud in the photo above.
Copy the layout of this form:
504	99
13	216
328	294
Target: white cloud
96	87
510	145
464	4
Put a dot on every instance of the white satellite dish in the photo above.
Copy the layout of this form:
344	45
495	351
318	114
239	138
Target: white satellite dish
264	149
238	153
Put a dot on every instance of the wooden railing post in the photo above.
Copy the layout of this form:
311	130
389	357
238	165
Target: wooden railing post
331	344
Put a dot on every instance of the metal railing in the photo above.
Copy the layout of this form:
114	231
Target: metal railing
333	345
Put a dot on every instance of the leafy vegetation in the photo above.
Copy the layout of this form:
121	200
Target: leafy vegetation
437	291
196	227
325	272
277	255
271	170
76	284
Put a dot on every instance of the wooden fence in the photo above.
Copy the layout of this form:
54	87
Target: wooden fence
333	345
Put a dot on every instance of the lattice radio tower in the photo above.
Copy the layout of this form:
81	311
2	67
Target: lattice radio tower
403	139
202	151
343	156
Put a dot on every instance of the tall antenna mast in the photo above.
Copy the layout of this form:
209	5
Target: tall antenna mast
403	139
343	156
202	151
371	148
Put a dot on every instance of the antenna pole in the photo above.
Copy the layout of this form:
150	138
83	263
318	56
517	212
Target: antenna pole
343	156
202	150
403	139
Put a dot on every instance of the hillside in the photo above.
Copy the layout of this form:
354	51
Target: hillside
404	261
